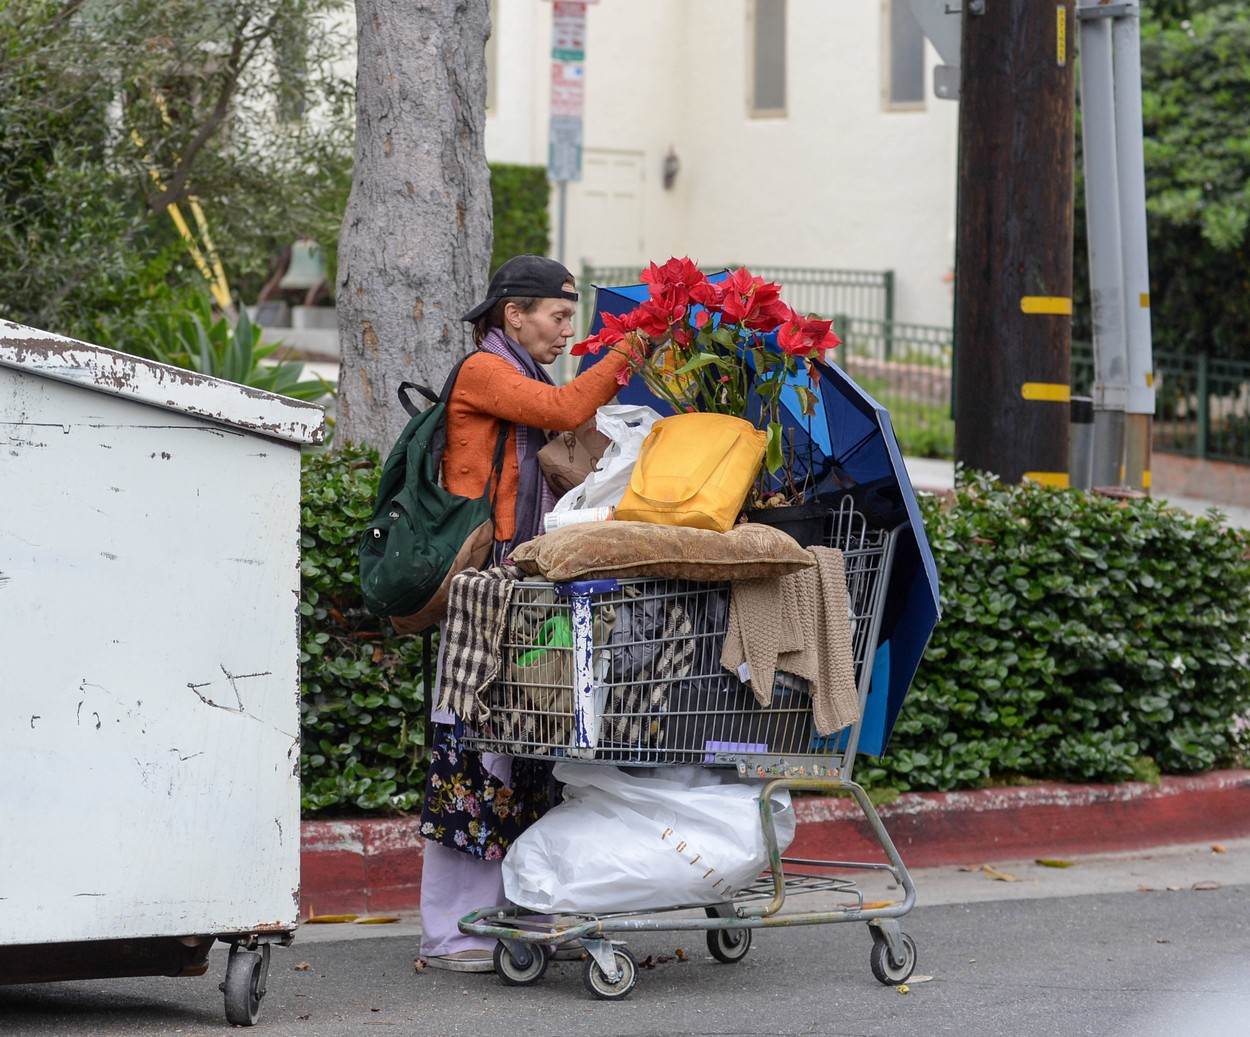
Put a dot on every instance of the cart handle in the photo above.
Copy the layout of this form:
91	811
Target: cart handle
587	587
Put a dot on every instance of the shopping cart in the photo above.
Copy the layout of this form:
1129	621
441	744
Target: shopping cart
627	672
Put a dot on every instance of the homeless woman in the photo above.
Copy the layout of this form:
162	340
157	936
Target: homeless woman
476	804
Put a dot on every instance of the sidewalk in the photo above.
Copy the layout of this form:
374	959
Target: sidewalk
935	476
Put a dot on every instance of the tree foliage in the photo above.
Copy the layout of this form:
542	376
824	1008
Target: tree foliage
234	102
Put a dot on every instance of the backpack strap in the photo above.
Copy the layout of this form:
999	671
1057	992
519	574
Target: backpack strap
439	441
405	387
406	402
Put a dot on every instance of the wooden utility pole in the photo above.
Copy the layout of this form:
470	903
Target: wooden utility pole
1013	294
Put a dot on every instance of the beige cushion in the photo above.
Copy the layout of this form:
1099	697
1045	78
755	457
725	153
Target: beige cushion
748	551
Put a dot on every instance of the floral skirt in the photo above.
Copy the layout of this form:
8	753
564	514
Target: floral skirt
467	808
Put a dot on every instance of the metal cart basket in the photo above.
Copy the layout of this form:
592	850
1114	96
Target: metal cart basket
627	672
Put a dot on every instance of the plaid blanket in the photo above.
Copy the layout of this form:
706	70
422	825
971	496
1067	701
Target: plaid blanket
477	609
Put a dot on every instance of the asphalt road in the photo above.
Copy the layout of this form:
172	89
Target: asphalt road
1055	960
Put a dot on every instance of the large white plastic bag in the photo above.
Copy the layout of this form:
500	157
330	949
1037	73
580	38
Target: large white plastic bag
631	842
627	426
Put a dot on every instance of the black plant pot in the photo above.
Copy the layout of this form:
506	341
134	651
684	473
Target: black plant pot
807	523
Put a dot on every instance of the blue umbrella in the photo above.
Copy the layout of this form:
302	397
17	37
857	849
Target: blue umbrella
850	435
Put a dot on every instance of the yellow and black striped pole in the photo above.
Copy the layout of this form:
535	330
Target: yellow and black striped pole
1013	298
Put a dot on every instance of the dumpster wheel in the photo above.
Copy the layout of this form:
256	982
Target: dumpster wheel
244	987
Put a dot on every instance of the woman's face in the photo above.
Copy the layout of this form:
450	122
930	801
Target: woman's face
545	330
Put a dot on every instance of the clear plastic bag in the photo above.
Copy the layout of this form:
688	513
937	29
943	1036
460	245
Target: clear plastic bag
626	425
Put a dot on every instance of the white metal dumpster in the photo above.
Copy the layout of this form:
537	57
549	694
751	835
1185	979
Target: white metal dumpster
149	678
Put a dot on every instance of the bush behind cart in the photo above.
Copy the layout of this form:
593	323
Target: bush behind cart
1082	638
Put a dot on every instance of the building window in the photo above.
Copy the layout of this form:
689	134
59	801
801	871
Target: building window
492	56
766	38
903	57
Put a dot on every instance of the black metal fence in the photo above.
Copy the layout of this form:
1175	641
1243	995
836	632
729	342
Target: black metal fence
1203	407
862	293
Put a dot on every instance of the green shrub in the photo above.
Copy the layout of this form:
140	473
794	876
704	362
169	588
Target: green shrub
519	195
1082	638
363	691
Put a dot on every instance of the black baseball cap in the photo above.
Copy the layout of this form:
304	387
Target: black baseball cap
532	277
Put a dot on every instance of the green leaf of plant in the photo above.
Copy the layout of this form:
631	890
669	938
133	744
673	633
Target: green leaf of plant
773	459
698	361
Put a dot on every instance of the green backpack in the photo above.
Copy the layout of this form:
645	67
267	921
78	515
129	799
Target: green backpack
409	551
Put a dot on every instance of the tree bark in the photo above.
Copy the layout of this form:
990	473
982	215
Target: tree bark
415	246
1013	285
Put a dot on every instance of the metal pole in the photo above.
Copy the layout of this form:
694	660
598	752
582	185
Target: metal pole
1081	444
1106	264
1130	168
562	207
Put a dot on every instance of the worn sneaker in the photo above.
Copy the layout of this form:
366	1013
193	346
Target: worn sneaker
463	961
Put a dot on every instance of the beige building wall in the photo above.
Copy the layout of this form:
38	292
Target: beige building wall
839	180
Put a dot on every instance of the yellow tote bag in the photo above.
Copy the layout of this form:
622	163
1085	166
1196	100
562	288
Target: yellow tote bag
694	470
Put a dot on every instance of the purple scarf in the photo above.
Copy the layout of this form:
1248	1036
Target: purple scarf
533	496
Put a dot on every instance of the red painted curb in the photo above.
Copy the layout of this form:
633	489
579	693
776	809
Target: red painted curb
373	865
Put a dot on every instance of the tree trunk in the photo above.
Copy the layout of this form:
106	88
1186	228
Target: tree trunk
416	241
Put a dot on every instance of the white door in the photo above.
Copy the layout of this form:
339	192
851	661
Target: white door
605	210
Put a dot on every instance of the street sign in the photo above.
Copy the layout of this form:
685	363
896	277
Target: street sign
568	78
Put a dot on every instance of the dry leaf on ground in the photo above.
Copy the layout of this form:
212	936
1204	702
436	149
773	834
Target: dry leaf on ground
681	954
419	965
303	966
903	988
1145	889
329	919
378	920
1205	885
919	979
998	876
1219	848
1053	862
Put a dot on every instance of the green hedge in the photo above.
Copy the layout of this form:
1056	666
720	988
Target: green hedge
363	695
1083	638
522	221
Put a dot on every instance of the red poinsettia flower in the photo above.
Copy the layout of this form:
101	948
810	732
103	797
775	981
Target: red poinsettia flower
614	329
752	302
708	294
805	336
674	281
657	315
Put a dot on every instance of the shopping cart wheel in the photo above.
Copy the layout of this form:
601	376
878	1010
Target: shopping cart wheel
728	945
597	983
512	974
246	972
886	970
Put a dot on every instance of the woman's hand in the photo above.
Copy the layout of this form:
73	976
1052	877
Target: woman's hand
643	343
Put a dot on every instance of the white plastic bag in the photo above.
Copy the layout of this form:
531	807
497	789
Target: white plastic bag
623	842
627	426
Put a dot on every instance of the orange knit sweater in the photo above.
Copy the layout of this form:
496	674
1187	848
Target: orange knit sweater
489	390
